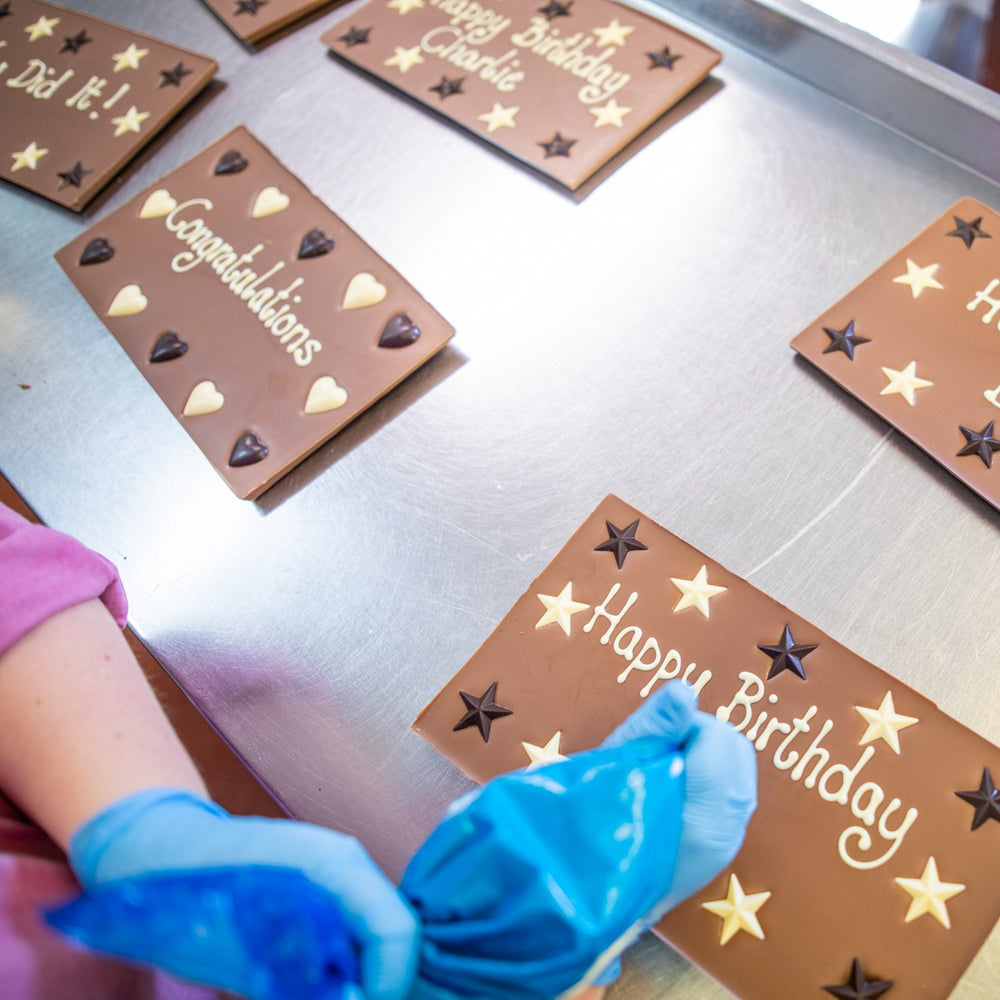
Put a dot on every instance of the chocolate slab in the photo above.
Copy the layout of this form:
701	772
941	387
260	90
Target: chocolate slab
79	97
264	322
919	342
562	86
254	20
862	780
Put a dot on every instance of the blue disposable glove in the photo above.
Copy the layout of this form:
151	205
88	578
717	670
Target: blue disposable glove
720	789
720	793
531	884
496	852
170	853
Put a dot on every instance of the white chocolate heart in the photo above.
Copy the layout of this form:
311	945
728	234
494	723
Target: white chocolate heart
128	301
991	396
363	289
159	203
204	398
269	201
325	394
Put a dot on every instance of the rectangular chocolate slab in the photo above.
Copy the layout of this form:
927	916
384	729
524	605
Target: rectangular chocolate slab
260	318
858	773
918	341
254	20
79	97
562	86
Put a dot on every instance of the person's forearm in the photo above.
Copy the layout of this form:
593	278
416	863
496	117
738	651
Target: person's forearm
80	726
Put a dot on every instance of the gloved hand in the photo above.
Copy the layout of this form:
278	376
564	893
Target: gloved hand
720	793
500	857
172	850
720	789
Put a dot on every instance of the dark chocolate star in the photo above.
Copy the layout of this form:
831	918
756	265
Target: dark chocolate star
173	77
74	176
787	654
981	443
448	87
985	800
4	9
662	60
74	43
968	232
621	541
557	146
555	8
844	340
859	986
481	711
356	36
249	6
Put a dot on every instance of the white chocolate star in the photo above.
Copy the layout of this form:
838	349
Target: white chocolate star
129	59
613	34
611	113
499	117
918	278
905	382
738	910
929	894
131	121
28	157
405	58
560	609
696	593
405	6
42	28
548	754
884	722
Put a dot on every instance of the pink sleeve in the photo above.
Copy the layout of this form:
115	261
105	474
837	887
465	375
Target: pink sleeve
43	572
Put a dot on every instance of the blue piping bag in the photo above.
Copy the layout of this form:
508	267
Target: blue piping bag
283	934
534	883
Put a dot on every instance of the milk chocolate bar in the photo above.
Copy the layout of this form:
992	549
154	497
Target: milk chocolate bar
254	20
79	97
918	341
871	864
562	86
260	318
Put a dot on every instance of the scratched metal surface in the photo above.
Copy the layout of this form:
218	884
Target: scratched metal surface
634	341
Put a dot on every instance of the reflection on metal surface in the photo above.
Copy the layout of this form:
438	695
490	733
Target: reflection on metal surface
924	101
888	20
951	33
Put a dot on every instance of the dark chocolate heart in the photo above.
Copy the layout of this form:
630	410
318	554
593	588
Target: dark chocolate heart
399	332
167	347
315	243
248	450
97	251
231	163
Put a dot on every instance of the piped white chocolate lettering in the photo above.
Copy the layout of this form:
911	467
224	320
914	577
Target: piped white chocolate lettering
984	297
833	781
649	658
269	305
571	54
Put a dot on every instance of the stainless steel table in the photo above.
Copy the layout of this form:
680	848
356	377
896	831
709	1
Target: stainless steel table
634	341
